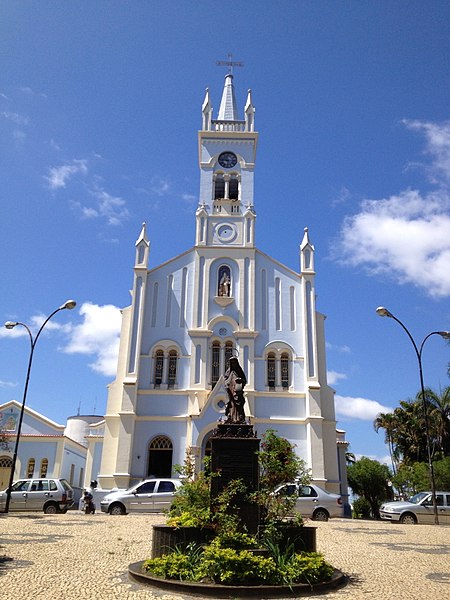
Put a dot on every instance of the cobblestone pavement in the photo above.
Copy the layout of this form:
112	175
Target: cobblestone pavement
77	556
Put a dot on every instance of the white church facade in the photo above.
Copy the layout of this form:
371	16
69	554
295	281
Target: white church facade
220	298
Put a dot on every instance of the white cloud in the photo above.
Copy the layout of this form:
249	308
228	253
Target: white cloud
30	92
384	460
406	237
159	186
437	138
362	409
344	349
15	117
342	197
7	384
334	377
59	176
112	208
97	336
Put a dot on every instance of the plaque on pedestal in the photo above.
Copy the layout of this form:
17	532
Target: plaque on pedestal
234	448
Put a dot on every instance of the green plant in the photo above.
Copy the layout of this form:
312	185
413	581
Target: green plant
237	567
238	540
178	564
278	464
370	479
191	505
307	567
361	508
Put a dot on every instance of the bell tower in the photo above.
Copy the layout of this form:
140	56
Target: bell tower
227	154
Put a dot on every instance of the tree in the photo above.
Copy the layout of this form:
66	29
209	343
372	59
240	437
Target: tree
438	406
279	463
388	422
369	479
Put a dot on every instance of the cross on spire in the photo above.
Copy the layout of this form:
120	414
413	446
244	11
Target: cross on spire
229	63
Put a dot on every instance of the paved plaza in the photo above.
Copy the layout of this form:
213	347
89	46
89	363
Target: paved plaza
77	556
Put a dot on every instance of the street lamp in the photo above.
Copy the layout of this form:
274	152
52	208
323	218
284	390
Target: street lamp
10	325
384	312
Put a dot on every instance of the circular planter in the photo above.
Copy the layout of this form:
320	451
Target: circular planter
167	538
211	590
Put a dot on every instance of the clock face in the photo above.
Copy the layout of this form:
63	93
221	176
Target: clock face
227	160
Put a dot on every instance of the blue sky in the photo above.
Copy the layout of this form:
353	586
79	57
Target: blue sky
99	111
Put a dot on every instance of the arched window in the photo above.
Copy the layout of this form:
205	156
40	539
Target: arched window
284	370
215	363
228	352
271	370
172	372
159	366
224	281
219	187
5	470
30	468
160	457
233	190
44	468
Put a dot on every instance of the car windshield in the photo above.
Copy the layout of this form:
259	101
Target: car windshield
417	498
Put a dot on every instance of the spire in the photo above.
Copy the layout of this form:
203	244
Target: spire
207	111
306	254
142	248
143	235
228	108
249	113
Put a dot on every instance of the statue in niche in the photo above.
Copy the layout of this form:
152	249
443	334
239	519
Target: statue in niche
235	381
224	285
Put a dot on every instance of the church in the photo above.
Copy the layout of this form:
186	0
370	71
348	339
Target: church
221	298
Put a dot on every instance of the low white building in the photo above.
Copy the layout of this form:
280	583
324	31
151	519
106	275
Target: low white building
46	449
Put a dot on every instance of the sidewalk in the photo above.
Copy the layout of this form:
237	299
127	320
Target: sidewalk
76	556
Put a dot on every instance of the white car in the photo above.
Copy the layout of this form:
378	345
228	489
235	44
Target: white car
151	495
313	502
418	509
49	495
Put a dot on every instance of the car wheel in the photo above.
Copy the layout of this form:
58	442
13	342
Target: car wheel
117	509
408	519
320	515
50	509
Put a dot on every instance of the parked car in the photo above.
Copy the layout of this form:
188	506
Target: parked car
50	495
152	495
312	501
418	509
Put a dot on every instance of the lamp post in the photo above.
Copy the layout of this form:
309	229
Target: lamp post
384	312
10	325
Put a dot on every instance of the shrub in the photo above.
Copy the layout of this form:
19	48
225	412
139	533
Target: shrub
237	567
182	565
361	508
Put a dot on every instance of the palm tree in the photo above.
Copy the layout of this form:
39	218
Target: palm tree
387	421
438	406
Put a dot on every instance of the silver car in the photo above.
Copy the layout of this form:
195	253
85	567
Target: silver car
50	495
152	495
313	502
418	509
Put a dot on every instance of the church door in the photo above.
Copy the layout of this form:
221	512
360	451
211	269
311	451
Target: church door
160	457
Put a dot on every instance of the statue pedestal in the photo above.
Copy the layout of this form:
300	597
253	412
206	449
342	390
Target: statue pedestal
233	455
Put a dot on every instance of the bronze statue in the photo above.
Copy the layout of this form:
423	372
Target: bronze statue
235	381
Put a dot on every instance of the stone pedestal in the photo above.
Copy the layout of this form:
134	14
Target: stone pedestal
233	455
